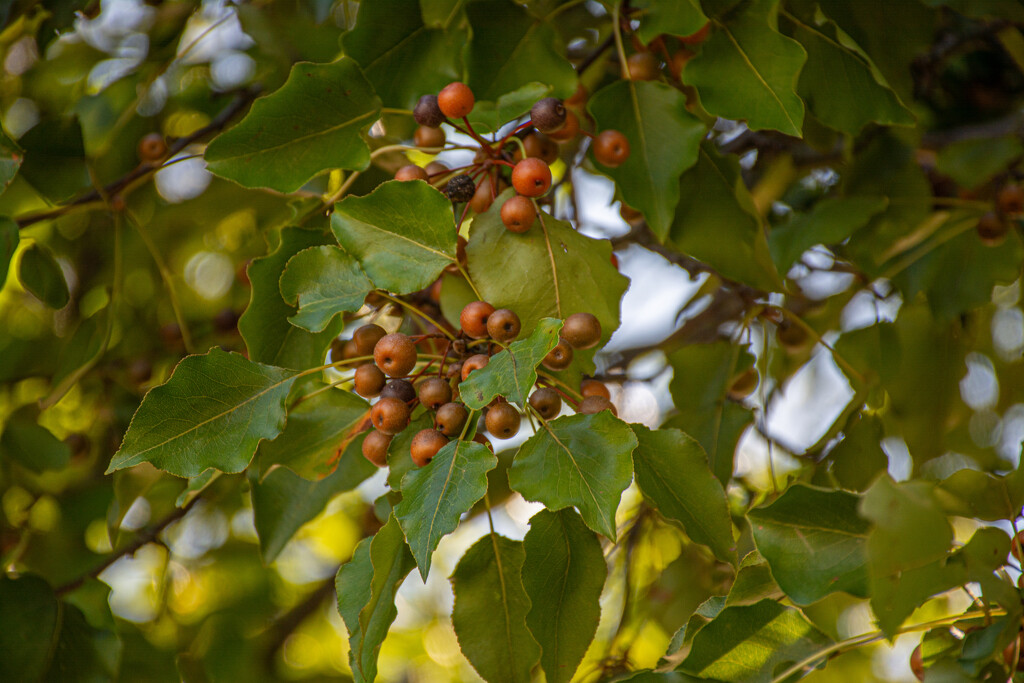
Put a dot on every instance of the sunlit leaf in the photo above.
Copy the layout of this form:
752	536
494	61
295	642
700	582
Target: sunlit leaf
674	17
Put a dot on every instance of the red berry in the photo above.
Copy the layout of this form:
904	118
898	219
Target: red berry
518	214
456	100
473	318
611	148
531	177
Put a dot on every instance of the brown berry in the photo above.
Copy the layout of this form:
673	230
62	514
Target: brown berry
454	370
548	114
917	663
429	138
502	421
483	441
483	197
472	363
366	338
473	318
792	337
389	415
611	148
427	113
531	177
539	146
582	330
503	325
435	168
559	357
451	418
399	388
1011	199
592	387
743	385
569	130
425	446
992	229
375	447
643	66
152	148
395	354
369	380
591	405
546	402
411	172
578	98
518	213
455	100
434	392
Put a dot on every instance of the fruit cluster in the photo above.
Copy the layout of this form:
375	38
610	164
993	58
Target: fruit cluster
402	377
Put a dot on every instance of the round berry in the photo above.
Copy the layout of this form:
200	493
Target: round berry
483	197
399	388
548	114
395	354
992	229
435	168
503	325
389	415
792	337
518	213
434	392
369	380
591	405
1011	199
366	338
540	146
473	318
411	172
472	363
643	66
546	402
454	370
375	447
743	385
559	357
611	148
502	421
582	330
531	177
451	418
429	137
456	100
152	148
569	129
917	663
592	387
425	446
427	113
460	189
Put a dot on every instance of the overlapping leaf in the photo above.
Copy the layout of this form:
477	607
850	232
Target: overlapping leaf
830	221
513	372
323	282
9	238
28	443
41	275
674	17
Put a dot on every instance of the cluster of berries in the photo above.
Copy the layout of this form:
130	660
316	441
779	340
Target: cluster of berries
392	379
523	154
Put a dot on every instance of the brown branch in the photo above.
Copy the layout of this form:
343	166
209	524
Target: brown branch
145	169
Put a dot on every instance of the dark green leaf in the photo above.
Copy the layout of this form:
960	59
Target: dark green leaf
264	325
859	458
11	157
366	588
212	412
311	124
435	496
577	460
664	140
323	282
488	117
748	70
440	13
563	575
672	471
753	582
30	444
402	233
753	643
55	159
972	163
814	541
715	208
42	276
509	49
9	238
830	221
674	17
27	627
400	55
513	372
970	493
490	611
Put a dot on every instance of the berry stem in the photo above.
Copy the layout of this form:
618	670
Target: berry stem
472	133
552	381
617	29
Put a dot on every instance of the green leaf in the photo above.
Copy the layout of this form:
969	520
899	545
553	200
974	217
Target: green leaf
563	574
9	238
399	456
366	588
859	458
748	70
323	282
28	625
283	501
435	496
513	372
27	442
318	430
440	13
42	276
973	163
212	412
674	17
55	159
715	208
672	471
577	460
753	643
509	49
400	55
663	139
753	582
830	221
11	157
311	124
970	493
814	541
839	86
402	233
488	117
268	334
702	375
490	611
